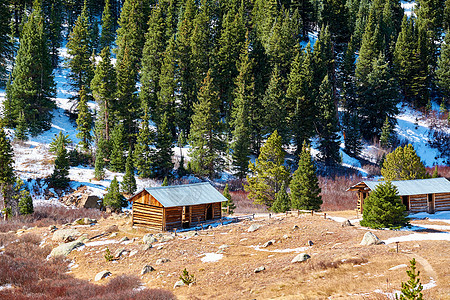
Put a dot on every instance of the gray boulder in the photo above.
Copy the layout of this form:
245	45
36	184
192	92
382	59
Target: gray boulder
147	247
101	275
259	269
346	223
124	239
149	239
90	201
65	235
52	228
65	249
120	252
268	243
161	261
179	283
147	269
310	243
253	227
370	239
166	238
301	257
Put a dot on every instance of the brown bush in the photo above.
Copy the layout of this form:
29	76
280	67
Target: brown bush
334	192
443	171
244	204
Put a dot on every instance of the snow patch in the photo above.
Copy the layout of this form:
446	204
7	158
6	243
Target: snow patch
211	257
440	236
101	243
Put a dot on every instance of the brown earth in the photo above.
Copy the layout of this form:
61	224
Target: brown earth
339	267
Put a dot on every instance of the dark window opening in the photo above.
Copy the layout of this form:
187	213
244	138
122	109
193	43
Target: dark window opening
405	201
209	212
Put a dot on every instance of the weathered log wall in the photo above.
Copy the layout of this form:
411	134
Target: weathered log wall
148	215
172	217
442	201
418	203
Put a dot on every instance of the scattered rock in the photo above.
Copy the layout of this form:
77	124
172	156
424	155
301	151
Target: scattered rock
149	239
253	227
161	261
189	234
120	252
112	228
133	253
147	247
286	236
179	283
160	248
65	235
166	238
101	275
370	239
65	249
147	269
52	228
259	269
209	227
114	234
268	243
310	243
220	251
82	198
346	223
295	227
301	257
124	239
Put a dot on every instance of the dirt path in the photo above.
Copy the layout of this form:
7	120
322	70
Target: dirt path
426	265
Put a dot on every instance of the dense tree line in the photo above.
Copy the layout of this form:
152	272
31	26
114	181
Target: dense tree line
223	74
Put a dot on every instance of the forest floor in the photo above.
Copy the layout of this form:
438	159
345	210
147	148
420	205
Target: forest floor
339	267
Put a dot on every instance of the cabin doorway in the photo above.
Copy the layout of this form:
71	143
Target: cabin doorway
209	212
186	217
405	201
430	203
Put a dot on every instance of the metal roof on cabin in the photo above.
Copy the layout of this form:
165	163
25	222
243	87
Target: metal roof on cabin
416	186
186	195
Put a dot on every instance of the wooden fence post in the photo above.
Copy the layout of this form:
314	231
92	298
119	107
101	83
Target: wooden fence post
324	215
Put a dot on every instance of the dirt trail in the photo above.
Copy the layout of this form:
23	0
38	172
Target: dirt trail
426	265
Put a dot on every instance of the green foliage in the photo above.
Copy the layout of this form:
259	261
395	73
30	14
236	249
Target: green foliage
21	128
84	121
443	66
60	176
117	158
165	182
6	160
269	172
113	199
58	140
229	203
143	152
282	202
107	37
32	87
352	134
305	190
387	137
108	255
187	278
100	155
403	164
412	289
129	182
383	208
6	45
435	173
163	157
23	198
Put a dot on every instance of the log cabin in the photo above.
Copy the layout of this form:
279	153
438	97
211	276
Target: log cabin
418	195
178	206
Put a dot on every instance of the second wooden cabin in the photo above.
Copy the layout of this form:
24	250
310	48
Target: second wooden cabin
419	195
178	206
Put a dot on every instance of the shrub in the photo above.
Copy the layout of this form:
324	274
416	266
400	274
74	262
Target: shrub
108	255
383	208
187	278
403	164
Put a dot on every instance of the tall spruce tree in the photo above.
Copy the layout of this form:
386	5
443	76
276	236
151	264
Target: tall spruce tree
6	45
144	152
205	137
443	69
327	125
32	87
268	172
244	95
352	134
79	48
117	157
7	176
84	122
163	157
103	90
60	176
129	182
107	36
387	134
305	190
54	28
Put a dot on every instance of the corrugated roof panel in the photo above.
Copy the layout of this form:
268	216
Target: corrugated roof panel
417	186
186	195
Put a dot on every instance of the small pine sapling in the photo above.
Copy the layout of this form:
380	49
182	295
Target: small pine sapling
435	172
108	255
165	182
229	203
411	290
187	278
114	199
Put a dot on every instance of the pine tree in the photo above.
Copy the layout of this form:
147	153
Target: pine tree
143	152
412	289
6	46
403	164
383	208
100	155
57	140
229	203
117	158
129	182
443	67
163	157
165	182
32	86
206	142
23	198
352	134
268	172
335	15
79	50
435	172
60	176
244	94
7	176
387	134
103	87
54	28
305	190
107	37
21	128
327	125
113	199
282	202
84	122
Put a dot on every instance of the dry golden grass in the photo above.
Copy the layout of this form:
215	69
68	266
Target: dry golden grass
339	267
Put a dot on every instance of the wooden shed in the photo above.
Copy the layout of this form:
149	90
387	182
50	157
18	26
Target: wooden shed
419	195
177	206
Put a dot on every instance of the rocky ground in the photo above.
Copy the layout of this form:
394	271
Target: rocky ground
252	259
